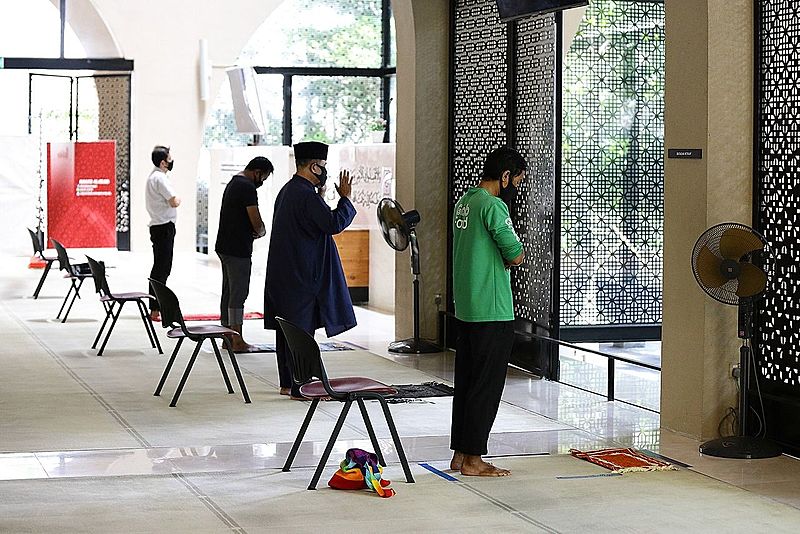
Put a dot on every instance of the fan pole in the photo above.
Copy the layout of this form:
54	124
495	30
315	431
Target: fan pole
742	446
414	345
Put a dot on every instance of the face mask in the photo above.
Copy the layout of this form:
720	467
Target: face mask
170	165
508	195
322	177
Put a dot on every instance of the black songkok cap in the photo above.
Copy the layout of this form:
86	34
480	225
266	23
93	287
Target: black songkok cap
310	150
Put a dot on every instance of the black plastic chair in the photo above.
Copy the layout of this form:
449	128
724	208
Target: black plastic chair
76	274
38	251
172	318
308	371
112	301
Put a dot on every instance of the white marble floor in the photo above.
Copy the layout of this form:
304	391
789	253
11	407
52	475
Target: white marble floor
112	426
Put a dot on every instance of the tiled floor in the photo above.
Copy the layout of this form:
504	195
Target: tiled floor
69	415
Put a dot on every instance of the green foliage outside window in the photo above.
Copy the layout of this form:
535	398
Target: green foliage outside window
315	33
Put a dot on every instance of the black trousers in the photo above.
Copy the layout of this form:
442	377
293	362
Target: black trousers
163	238
284	357
235	288
482	354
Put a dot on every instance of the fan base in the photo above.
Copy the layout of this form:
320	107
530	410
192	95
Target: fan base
741	447
414	346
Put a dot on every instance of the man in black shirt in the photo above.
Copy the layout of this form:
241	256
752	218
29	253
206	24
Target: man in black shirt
239	224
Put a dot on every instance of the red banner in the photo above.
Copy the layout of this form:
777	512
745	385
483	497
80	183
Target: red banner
81	194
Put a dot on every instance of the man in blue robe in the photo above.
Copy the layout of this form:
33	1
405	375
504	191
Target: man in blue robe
305	281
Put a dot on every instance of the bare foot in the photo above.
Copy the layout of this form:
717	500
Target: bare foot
286	391
241	346
155	316
458	459
475	466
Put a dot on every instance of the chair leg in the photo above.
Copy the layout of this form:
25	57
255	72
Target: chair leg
76	295
221	365
185	374
108	308
66	298
143	317
396	438
302	432
329	446
41	280
169	366
111	328
227	343
149	326
371	431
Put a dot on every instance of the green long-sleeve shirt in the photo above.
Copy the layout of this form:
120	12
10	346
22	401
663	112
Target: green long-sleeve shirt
483	237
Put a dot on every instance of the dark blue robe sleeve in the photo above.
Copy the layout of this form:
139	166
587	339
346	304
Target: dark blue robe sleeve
328	221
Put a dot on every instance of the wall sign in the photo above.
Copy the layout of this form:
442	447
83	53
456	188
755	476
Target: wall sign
685	153
81	194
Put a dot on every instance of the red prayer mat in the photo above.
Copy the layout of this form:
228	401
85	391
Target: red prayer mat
623	460
37	263
215	316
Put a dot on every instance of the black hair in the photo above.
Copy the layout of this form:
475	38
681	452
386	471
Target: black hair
160	153
501	160
260	163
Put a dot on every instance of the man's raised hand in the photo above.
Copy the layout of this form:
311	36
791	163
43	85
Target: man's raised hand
345	181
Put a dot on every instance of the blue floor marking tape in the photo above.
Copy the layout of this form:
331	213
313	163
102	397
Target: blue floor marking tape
440	473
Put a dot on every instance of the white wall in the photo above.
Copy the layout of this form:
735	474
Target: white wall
19	187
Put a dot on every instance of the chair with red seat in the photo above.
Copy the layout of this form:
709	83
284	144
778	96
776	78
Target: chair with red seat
308	371
75	273
112	301
172	318
38	252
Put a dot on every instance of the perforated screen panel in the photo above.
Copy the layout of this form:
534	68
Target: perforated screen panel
503	93
479	91
114	97
612	174
483	64
778	199
535	139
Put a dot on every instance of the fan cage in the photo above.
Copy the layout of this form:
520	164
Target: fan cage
393	228
726	293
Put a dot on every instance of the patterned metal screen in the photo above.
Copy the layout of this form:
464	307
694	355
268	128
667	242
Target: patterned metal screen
114	122
612	195
485	67
479	91
535	138
777	217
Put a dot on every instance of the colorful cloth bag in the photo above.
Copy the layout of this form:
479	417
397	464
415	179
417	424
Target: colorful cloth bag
361	469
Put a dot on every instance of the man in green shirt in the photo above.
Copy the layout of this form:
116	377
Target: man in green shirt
485	247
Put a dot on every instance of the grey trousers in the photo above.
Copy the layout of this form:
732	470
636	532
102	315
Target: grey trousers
235	288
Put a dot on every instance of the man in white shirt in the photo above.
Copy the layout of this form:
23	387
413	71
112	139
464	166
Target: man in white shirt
162	203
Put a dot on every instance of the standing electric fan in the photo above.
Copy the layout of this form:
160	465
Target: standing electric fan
731	262
398	231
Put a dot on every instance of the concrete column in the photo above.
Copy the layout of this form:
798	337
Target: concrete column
709	105
423	31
